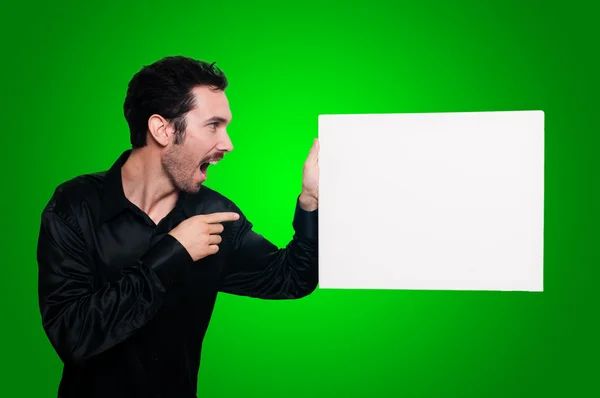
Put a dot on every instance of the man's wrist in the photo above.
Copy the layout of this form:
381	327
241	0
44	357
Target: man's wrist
306	217
308	202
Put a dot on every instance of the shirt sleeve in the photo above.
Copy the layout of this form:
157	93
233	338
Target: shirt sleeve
81	319
257	268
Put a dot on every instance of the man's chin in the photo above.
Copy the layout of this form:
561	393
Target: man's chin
195	189
190	188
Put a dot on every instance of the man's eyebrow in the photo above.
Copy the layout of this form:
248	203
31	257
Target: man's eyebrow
216	119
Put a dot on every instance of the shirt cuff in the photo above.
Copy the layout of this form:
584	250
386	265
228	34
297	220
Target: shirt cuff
168	259
306	223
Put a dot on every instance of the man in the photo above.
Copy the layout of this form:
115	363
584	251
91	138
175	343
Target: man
131	259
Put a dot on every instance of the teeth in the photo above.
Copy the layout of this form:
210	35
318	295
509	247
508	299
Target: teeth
213	162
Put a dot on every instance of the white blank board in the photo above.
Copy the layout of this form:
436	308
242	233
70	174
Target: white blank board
435	201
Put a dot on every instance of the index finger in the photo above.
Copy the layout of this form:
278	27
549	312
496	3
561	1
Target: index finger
220	217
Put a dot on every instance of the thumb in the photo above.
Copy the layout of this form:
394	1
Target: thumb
314	150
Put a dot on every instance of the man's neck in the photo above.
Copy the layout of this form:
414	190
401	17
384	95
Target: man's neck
146	185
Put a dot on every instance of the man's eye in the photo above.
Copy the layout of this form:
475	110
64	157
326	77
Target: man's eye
214	125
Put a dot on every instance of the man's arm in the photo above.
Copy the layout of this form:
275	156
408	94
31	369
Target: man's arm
258	268
81	321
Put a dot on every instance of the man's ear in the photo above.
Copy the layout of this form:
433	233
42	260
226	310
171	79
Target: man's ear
158	127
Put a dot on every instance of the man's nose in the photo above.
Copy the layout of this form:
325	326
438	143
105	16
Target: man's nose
225	143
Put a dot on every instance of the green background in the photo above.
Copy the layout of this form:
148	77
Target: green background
65	67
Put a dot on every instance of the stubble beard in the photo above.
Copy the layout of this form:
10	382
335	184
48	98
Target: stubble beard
180	168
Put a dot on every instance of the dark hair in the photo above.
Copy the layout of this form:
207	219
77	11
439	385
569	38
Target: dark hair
165	88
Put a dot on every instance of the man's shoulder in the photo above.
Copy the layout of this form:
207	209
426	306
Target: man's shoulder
75	192
210	200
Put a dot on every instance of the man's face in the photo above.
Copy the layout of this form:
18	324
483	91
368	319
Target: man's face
205	141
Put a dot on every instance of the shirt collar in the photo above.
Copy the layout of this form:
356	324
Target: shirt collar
113	197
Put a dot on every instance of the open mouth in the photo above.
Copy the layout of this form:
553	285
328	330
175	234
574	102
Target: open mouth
204	166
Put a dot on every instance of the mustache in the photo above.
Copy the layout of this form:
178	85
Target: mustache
215	157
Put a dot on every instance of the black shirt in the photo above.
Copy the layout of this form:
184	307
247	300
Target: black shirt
123	303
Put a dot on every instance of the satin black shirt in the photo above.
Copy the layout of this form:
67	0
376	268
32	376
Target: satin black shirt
123	303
